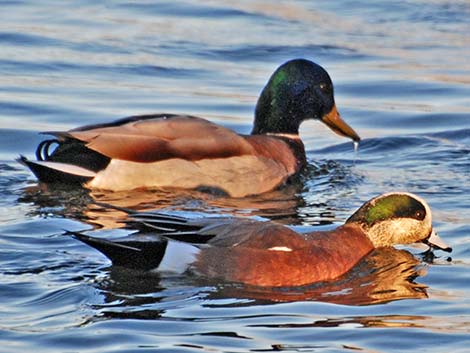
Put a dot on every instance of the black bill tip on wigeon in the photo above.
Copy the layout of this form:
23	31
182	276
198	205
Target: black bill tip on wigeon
180	151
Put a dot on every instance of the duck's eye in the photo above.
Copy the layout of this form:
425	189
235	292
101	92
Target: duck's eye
419	215
325	88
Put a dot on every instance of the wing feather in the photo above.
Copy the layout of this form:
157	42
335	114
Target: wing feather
162	137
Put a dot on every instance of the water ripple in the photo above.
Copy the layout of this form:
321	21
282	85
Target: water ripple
401	78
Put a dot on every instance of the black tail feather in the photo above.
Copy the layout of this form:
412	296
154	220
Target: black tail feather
42	151
50	175
136	252
71	151
66	151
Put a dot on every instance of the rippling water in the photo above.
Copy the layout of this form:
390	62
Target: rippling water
402	79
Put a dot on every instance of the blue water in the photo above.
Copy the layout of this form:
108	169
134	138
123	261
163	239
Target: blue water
402	80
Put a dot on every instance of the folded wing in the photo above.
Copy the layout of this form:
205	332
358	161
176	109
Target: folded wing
157	137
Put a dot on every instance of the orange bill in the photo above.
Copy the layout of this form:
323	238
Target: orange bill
334	122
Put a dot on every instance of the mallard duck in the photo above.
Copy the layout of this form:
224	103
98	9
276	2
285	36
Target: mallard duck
180	151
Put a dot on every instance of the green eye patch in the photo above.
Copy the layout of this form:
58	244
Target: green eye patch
389	207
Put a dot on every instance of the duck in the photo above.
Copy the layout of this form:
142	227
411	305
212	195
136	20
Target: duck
189	152
263	253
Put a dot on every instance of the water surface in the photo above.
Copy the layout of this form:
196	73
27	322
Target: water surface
402	80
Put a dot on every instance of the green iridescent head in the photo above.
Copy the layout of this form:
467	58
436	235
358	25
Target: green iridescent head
395	218
298	90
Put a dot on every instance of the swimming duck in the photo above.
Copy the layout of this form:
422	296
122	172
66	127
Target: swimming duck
180	151
264	253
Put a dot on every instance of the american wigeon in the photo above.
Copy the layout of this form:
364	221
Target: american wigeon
179	151
264	253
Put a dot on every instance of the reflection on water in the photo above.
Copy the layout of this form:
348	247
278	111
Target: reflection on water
81	204
308	199
385	275
84	205
401	74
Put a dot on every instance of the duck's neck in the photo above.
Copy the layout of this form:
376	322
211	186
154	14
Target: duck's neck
349	233
275	115
274	125
296	145
339	249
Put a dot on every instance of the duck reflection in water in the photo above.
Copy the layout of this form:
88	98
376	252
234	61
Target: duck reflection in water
84	205
355	262
385	275
284	204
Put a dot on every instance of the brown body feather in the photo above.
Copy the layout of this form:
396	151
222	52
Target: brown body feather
163	137
187	152
246	252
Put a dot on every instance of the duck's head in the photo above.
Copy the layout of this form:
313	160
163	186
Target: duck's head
397	218
298	90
